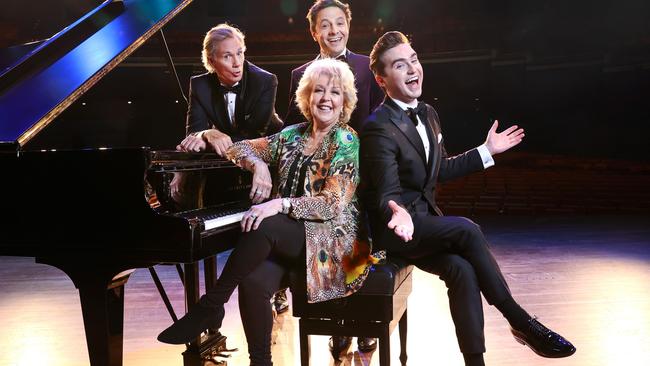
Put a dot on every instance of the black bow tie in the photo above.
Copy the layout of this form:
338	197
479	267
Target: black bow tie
419	111
229	89
342	57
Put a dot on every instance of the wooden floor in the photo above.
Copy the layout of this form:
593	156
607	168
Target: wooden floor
586	277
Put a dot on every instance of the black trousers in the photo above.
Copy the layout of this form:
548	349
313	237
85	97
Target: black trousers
259	265
455	249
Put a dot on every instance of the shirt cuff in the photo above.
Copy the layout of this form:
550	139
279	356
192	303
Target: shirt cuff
200	134
486	157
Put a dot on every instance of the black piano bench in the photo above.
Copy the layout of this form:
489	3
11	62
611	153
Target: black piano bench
373	311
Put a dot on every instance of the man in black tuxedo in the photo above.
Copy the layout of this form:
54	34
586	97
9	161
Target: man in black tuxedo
329	24
402	160
234	100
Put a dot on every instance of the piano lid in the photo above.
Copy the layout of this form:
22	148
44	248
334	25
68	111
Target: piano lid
41	85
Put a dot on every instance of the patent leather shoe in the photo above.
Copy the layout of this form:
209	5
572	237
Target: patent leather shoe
366	344
339	344
543	341
192	324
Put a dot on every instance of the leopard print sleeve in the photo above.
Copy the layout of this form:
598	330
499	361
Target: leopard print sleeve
333	183
263	148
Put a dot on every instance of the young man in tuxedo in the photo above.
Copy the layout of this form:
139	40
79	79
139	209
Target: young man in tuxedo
402	159
329	25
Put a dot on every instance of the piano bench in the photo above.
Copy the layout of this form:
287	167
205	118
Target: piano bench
373	311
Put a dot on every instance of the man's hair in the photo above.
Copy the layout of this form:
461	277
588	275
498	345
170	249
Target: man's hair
322	4
338	71
384	43
215	36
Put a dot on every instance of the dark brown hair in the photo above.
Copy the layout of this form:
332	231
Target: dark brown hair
384	43
322	4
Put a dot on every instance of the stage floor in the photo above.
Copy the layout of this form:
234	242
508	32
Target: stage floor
586	277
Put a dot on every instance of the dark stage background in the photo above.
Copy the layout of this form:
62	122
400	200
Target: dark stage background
575	75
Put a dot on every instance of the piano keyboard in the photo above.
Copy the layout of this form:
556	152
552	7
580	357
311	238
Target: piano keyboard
223	218
218	216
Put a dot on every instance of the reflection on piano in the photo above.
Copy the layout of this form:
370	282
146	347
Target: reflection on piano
103	209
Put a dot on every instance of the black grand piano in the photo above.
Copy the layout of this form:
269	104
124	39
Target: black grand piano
97	212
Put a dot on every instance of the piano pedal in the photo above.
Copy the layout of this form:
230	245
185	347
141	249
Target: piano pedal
206	353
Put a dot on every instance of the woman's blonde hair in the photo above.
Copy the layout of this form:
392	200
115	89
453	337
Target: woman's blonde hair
338	71
215	36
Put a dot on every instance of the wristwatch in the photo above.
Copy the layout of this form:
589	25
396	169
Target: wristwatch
286	206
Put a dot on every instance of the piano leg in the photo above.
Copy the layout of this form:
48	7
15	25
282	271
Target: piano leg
210	272
101	290
192	356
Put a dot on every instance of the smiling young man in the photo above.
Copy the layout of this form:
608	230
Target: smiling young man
402	159
329	25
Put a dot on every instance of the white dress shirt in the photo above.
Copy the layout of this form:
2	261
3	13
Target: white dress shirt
230	98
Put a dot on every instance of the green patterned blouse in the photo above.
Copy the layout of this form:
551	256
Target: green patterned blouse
338	254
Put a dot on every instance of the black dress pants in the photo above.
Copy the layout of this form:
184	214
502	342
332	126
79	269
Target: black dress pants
259	265
455	249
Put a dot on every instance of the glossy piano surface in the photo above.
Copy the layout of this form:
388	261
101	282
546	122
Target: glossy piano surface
98	201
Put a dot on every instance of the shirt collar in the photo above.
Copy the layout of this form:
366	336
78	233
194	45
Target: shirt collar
226	86
344	53
403	105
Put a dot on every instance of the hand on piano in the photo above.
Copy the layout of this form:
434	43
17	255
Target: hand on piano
262	183
217	141
192	143
254	216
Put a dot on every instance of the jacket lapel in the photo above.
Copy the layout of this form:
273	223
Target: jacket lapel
433	146
436	149
405	125
240	107
222	121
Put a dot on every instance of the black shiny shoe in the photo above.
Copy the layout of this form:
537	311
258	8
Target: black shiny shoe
192	324
543	341
366	344
280	302
339	344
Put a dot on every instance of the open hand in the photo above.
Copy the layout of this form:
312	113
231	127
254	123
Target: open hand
401	222
499	142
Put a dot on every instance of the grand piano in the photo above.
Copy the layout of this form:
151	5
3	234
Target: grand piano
98	212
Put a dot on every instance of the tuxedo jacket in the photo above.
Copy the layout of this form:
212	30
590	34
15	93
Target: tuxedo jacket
394	167
369	94
254	106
